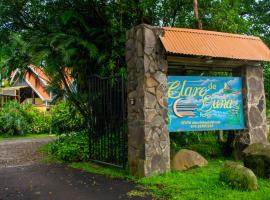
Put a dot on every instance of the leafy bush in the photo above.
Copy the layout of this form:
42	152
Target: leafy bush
70	147
12	119
38	122
65	118
17	119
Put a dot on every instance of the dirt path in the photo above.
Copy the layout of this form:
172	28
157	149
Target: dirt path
23	177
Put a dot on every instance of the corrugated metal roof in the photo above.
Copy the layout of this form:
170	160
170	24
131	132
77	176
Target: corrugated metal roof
214	44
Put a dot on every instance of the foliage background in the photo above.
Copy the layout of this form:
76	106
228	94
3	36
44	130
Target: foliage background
22	119
88	36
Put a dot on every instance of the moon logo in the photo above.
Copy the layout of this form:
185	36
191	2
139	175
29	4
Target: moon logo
183	109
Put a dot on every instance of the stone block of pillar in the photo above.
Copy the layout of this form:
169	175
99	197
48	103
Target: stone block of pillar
254	109
148	136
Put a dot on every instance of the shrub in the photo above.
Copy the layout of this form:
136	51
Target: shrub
12	120
65	118
17	119
238	176
38	122
70	147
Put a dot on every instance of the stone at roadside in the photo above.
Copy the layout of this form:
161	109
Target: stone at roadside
238	176
187	159
257	158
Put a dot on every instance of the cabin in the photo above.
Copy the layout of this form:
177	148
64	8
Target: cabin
29	88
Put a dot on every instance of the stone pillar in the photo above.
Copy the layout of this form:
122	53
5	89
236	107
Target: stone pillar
148	136
254	109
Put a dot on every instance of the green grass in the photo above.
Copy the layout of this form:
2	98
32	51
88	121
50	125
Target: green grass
97	169
201	184
28	136
47	157
195	184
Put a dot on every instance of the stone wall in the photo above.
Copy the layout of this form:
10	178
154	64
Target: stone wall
147	67
149	143
254	109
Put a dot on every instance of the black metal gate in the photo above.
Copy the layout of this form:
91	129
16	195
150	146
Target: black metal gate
108	132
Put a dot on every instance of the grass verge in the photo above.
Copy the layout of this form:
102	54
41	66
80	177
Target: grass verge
28	136
97	169
195	184
47	158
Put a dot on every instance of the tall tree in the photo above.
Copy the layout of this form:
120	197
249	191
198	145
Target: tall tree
196	14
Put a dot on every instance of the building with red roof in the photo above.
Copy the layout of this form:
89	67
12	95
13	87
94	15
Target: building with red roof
31	87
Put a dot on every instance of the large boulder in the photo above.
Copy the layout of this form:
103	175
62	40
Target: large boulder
257	158
186	159
238	176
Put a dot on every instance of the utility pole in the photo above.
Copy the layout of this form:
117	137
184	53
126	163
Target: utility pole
196	14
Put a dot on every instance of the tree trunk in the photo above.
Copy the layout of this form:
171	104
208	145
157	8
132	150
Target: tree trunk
196	15
221	137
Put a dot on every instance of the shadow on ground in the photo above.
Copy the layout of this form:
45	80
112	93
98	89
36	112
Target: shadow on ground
57	182
23	177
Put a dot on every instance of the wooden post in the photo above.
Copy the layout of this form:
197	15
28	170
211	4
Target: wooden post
33	97
19	96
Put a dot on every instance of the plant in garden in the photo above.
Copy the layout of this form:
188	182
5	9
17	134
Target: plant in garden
38	122
18	119
64	118
70	148
12	120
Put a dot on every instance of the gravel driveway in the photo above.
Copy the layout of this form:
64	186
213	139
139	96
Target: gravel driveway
24	177
21	152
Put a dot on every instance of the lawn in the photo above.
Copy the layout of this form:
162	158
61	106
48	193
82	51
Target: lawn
27	136
195	184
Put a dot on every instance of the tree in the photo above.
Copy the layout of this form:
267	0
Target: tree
196	15
79	36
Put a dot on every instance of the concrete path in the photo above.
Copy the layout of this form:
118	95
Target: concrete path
23	177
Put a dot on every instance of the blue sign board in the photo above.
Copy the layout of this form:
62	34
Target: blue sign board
197	103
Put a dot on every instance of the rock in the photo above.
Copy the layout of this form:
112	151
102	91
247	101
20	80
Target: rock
161	77
157	121
149	114
255	117
150	41
256	89
238	176
139	35
150	38
150	82
187	159
257	158
149	100
258	134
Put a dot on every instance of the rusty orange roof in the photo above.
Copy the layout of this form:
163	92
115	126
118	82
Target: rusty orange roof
39	72
37	86
182	41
